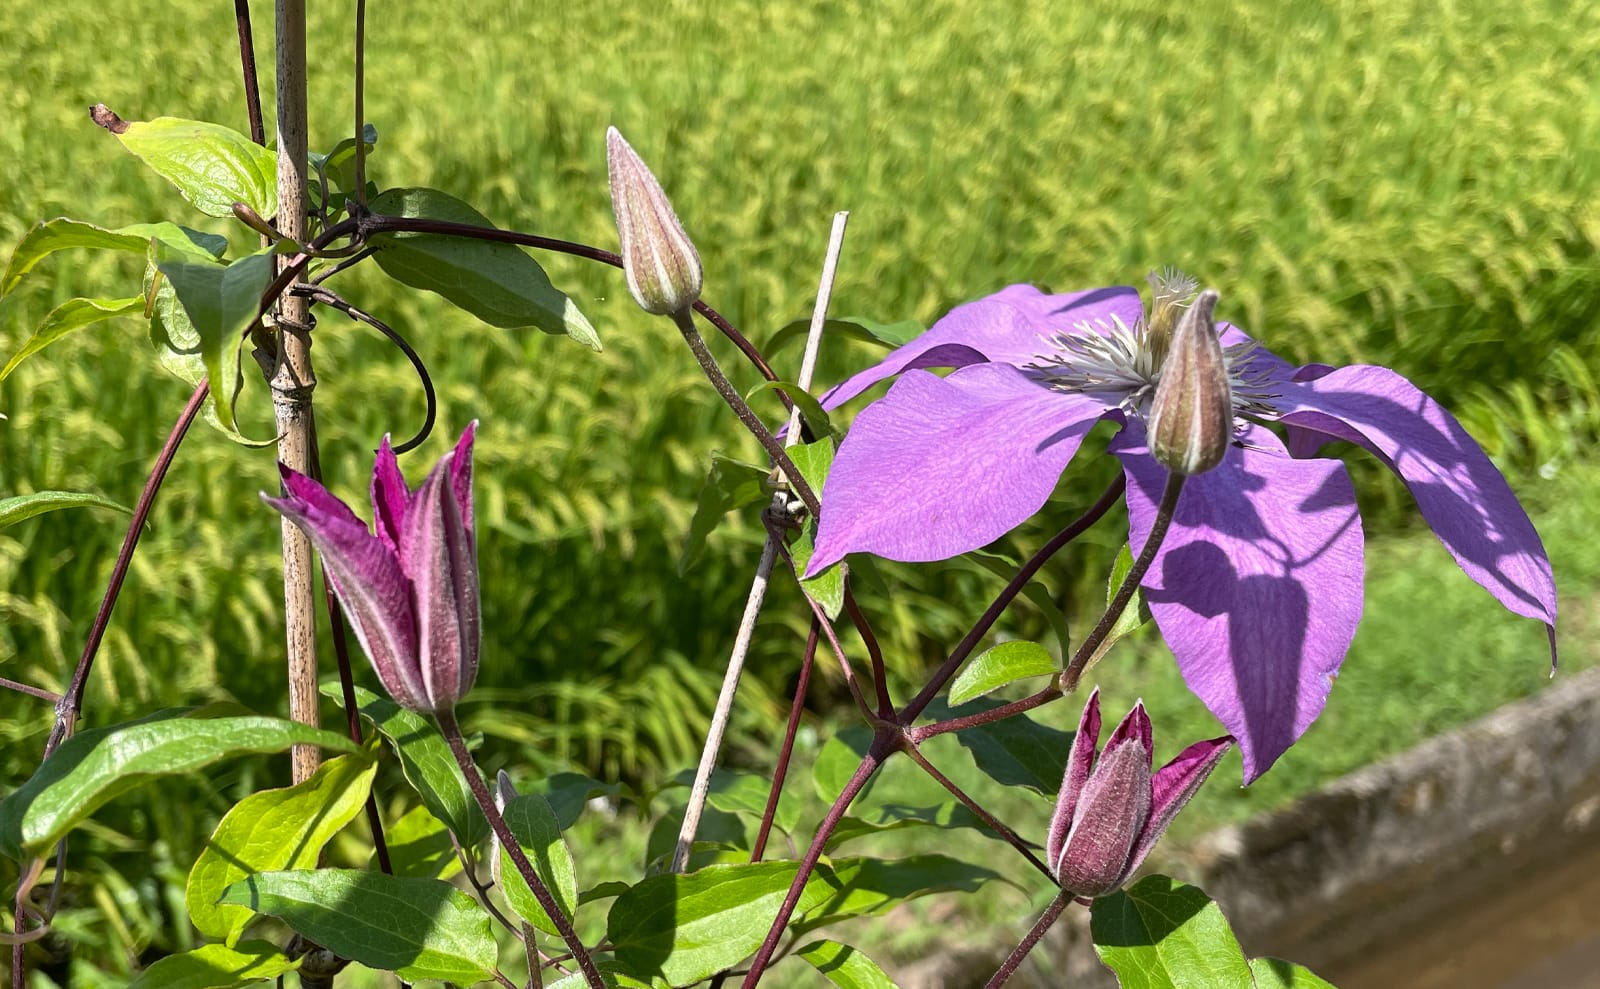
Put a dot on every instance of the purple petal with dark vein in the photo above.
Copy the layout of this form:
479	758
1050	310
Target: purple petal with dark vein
1174	784
1111	814
430	550
1258	586
940	466
390	496
1008	327
1462	496
366	577
1135	728
461	474
1080	763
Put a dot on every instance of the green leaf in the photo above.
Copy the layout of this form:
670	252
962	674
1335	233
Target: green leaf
419	845
684	928
1135	615
19	507
744	793
498	283
426	760
845	966
841	755
271	830
853	327
60	234
826	588
217	966
1274	973
896	817
731	484
1016	751
94	766
339	164
213	166
569	793
998	666
810	408
220	303
539	833
74	314
1162	934
416	928
865	886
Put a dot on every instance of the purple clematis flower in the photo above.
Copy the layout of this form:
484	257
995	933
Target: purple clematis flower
1111	812
1257	588
411	590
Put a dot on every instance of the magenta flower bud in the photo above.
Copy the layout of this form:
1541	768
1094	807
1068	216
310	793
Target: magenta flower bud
411	589
1191	416
1111	812
662	266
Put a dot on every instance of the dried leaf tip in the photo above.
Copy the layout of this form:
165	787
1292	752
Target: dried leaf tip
661	263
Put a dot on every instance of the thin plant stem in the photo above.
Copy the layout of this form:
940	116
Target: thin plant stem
293	381
247	62
700	791
884	743
1130	582
1007	835
921	733
530	947
361	119
964	648
30	690
848	671
480	887
781	770
1013	960
451	729
880	675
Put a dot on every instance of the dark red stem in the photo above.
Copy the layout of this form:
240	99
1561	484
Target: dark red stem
1009	966
1009	836
247	60
781	770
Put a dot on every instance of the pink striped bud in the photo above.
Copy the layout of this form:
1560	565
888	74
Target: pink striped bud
662	266
1191	416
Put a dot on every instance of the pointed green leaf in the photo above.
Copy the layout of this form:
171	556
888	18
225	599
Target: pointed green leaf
730	485
1016	751
426	761
177	347
498	283
1162	934
534	824
74	314
419	845
213	166
220	302
826	588
840	756
851	327
569	793
60	234
271	830
998	666
684	928
866	886
1136	614
19	507
217	966
1273	973
416	928
339	164
94	766
845	966
811	409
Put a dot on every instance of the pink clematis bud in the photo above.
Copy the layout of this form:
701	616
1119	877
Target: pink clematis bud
662	266
1110	814
1191	416
411	589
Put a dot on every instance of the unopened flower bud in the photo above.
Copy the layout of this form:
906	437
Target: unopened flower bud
660	261
1191	416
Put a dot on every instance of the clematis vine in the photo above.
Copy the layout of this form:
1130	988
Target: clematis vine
411	589
1112	810
1257	588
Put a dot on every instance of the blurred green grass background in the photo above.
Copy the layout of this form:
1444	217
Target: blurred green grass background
1400	183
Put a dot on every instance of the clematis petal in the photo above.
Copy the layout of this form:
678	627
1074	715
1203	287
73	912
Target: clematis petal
1460	493
1080	763
1011	326
390	496
1111	814
1174	784
366	577
437	555
1258	586
461	474
940	466
1134	729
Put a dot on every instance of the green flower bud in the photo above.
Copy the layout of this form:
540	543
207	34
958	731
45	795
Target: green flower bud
1191	416
660	261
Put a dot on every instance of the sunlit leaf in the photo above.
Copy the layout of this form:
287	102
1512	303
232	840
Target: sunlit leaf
844	966
730	485
1162	934
217	966
213	166
74	314
537	831
19	507
60	234
220	303
998	666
